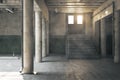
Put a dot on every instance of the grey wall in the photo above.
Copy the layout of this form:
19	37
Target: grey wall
57	32
10	24
88	24
57	24
43	8
10	33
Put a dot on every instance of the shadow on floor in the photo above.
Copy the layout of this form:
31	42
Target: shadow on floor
45	76
55	58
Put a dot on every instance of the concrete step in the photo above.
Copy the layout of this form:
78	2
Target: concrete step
80	43
84	56
81	50
81	47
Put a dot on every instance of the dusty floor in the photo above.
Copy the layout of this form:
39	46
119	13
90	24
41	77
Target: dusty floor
59	68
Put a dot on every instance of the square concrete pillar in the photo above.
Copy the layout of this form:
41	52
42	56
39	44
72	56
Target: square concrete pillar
103	38
28	45
38	36
117	37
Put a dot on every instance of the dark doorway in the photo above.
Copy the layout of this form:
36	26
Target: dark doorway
109	40
98	36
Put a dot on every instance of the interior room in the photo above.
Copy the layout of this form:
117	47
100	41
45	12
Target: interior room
59	39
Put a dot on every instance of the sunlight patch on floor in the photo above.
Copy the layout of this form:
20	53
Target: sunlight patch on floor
10	76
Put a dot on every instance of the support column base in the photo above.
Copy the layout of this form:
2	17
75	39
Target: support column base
103	55
38	61
27	71
116	59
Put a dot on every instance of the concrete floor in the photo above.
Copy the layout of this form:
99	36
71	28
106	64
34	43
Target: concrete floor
59	68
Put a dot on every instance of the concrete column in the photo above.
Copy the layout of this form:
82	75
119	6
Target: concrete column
28	45
47	34
103	38
88	25
43	38
38	38
117	40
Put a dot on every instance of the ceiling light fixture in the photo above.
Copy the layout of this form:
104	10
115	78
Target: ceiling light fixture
56	10
106	12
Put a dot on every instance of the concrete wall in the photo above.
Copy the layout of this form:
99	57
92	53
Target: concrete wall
100	13
97	38
58	30
57	33
88	24
57	24
117	4
43	8
10	24
104	11
107	6
10	33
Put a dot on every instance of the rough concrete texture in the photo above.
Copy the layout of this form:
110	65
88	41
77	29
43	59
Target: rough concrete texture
10	32
103	38
43	7
57	24
88	24
14	23
57	32
59	27
28	39
59	68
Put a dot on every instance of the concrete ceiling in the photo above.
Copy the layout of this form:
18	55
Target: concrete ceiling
81	5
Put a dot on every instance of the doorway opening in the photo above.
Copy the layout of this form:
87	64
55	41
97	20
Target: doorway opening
109	35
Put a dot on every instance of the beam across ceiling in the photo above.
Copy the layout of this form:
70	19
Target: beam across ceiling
72	10
72	4
10	6
77	1
81	5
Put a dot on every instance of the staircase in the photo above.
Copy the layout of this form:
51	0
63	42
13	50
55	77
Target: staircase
80	46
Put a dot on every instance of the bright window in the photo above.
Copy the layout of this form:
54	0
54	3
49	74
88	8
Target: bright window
79	19
70	19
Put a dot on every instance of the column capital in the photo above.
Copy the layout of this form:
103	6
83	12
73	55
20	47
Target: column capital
36	6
